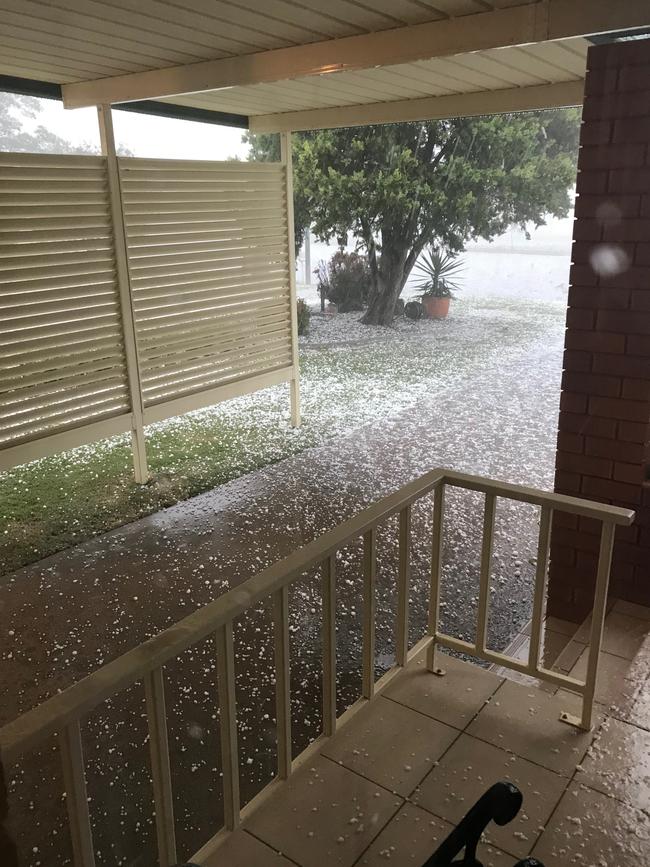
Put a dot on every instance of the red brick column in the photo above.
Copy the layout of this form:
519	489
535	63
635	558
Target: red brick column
603	448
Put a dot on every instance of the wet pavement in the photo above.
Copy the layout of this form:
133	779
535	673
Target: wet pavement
69	614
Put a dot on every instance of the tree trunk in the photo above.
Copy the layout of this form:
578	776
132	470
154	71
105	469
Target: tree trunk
388	283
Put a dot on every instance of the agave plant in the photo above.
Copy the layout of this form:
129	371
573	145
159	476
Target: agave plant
439	271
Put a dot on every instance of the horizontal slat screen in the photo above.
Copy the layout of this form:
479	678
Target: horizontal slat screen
62	361
209	270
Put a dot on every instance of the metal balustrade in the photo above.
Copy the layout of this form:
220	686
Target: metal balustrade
63	713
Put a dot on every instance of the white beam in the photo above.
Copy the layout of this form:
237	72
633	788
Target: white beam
533	22
426	108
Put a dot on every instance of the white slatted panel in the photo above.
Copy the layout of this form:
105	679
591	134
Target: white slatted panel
208	261
61	353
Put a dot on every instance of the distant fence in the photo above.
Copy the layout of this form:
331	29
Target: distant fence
132	294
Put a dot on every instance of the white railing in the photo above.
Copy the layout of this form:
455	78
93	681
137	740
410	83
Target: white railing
63	713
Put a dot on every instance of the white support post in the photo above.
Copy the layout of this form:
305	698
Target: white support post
369	611
163	797
76	795
286	157
541	570
434	587
486	565
329	645
282	680
307	248
597	628
228	726
403	582
107	137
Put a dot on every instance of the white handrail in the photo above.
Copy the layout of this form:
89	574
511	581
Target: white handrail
62	714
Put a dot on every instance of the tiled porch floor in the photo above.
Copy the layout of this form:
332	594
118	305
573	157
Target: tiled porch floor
408	766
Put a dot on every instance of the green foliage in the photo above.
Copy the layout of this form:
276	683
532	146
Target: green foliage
398	188
265	147
17	111
345	280
304	315
14	112
439	272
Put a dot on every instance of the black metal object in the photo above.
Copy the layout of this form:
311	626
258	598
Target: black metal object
499	804
48	90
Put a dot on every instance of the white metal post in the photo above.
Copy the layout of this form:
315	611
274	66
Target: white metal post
163	797
486	565
285	155
307	247
228	726
597	621
434	587
369	611
282	680
329	645
403	586
539	600
107	137
76	795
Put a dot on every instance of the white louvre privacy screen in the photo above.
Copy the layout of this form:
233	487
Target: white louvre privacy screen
62	363
210	293
209	269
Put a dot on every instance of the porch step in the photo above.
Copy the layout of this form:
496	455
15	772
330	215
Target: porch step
565	644
562	645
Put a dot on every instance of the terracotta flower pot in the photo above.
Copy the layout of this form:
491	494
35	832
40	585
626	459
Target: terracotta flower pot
435	308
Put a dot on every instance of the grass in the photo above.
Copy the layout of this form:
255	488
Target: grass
351	376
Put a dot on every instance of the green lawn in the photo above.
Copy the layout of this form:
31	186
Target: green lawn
351	376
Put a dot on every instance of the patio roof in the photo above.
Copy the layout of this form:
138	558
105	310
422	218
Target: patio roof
392	59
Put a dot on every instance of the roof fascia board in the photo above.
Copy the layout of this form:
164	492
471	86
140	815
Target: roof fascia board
533	98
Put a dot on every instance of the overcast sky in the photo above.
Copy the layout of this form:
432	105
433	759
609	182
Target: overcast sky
147	136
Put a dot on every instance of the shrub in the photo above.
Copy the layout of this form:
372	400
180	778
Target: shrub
439	272
345	281
304	315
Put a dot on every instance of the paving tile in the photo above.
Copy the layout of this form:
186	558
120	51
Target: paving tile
526	721
390	744
639	669
592	830
633	705
412	837
240	849
324	814
622	636
612	672
469	768
454	699
526	680
618	763
631	609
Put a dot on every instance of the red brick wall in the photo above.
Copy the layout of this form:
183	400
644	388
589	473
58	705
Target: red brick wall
604	428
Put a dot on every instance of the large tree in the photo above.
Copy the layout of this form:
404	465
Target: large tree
16	113
400	187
